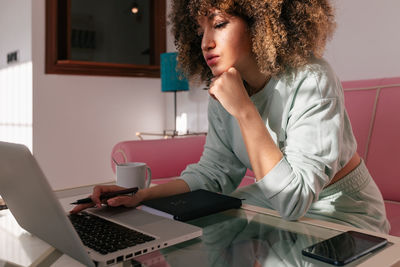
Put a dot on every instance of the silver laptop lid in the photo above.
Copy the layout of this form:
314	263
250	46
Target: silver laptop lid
33	203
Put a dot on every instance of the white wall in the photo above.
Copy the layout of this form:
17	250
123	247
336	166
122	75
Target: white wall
15	33
16	77
77	119
366	44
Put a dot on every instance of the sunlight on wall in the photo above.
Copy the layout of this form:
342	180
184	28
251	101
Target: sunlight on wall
16	104
181	123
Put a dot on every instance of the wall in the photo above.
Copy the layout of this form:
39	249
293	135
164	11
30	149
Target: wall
16	77
367	40
77	119
15	34
16	104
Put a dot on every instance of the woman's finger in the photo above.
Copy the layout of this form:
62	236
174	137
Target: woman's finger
98	190
127	201
80	207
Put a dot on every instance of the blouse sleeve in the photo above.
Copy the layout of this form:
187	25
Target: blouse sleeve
219	169
318	142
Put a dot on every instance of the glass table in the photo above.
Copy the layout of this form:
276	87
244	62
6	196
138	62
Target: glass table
245	238
250	236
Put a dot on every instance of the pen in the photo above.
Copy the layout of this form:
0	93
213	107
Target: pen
107	195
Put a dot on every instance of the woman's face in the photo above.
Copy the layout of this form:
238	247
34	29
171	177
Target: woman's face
225	42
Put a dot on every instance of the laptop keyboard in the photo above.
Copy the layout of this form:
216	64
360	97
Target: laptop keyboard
105	236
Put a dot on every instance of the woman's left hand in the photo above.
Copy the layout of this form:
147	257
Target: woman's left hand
229	90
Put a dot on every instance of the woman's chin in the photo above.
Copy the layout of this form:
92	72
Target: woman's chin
218	71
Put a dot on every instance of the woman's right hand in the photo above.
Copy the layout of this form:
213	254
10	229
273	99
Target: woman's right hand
173	187
126	201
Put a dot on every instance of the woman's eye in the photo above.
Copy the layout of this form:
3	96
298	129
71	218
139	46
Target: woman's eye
220	25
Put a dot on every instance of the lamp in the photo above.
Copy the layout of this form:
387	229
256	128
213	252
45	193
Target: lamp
172	79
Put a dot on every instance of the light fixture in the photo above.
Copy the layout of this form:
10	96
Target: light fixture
134	8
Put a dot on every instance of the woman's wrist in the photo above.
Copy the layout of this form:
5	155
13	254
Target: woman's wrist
167	189
247	112
142	195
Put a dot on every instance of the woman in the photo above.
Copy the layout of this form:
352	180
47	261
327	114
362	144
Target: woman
276	108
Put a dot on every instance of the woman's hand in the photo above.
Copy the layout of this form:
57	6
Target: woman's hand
127	201
229	90
174	187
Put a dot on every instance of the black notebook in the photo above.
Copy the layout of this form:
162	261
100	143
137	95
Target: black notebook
191	205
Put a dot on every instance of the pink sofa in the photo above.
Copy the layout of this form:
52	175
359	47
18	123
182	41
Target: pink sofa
373	109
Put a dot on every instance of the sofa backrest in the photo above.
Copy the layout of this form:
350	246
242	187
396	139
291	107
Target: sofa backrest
374	110
166	157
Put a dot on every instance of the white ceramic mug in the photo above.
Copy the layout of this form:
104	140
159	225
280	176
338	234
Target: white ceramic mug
133	174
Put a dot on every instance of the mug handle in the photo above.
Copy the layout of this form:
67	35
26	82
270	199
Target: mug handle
148	174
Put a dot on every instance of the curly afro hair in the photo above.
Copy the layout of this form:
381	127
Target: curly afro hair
285	33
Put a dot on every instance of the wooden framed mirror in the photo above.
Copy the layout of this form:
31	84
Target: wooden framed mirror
105	37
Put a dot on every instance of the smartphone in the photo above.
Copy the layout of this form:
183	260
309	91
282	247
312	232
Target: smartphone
344	248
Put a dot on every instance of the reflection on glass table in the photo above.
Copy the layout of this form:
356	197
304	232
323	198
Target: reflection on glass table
17	246
244	238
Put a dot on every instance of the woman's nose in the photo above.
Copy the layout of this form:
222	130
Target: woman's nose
207	42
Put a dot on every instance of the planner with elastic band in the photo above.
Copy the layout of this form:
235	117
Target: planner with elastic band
191	205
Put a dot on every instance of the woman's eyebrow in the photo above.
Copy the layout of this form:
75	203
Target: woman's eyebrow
212	15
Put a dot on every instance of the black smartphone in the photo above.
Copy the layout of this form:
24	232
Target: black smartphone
344	248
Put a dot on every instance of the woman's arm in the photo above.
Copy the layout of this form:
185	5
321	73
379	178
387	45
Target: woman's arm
263	153
174	187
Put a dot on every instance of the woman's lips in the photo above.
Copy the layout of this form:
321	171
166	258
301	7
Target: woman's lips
212	60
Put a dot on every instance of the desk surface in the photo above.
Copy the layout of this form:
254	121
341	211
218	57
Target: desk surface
250	236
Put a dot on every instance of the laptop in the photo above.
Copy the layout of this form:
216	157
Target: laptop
34	205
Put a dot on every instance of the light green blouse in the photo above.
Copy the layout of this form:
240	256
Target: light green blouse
305	114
